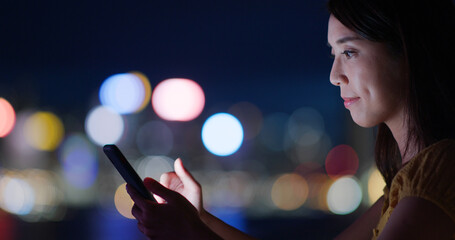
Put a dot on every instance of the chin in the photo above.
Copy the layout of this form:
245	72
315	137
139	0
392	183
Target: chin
363	121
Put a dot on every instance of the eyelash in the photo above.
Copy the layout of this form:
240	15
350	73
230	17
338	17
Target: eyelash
348	53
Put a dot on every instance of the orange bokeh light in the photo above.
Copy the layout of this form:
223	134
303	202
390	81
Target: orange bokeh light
289	191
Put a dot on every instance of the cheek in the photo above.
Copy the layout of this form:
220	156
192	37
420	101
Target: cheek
376	81
375	102
384	97
363	82
391	84
378	95
389	75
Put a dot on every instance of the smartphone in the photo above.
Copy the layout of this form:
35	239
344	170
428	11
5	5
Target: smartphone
124	168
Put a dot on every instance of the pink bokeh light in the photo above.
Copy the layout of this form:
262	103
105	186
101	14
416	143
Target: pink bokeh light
342	160
178	99
7	117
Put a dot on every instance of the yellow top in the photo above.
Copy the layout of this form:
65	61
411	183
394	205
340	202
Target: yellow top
429	175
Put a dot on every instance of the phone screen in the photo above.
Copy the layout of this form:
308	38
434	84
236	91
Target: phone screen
126	170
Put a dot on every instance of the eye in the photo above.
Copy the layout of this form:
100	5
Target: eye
348	53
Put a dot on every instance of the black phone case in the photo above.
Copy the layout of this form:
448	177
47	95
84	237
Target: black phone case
124	168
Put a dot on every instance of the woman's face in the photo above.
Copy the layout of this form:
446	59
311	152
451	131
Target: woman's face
371	80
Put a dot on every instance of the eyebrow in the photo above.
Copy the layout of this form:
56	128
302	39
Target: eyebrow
345	39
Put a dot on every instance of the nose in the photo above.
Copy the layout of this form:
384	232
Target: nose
337	75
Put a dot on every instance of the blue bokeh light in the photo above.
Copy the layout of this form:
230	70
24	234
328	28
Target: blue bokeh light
123	92
79	161
222	134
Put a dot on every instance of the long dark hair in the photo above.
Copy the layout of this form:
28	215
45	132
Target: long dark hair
421	32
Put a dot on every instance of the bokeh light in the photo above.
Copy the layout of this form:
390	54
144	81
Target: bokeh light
290	191
230	189
273	131
154	166
147	89
308	168
24	155
48	195
79	161
17	196
250	116
178	99
317	180
123	202
319	185
341	160
344	196
104	126
315	152
31	194
44	131
376	185
306	138
305	126
7	117
125	93
222	134
155	138
262	202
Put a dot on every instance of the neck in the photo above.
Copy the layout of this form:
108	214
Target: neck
399	129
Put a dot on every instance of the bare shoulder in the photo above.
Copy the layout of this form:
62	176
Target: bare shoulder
362	228
417	218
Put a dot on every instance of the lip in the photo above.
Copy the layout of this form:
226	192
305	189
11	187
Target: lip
348	101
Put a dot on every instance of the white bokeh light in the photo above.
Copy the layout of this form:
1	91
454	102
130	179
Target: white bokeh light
154	166
222	134
18	196
104	126
344	196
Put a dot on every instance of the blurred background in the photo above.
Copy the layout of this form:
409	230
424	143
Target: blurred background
238	89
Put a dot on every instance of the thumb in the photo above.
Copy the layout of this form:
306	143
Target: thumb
156	188
183	174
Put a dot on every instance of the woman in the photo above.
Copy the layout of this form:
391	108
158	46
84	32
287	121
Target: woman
393	62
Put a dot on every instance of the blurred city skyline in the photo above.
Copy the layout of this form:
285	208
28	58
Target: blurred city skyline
265	62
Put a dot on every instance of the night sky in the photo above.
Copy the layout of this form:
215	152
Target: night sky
56	54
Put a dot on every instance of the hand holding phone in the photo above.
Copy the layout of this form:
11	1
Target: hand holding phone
124	168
